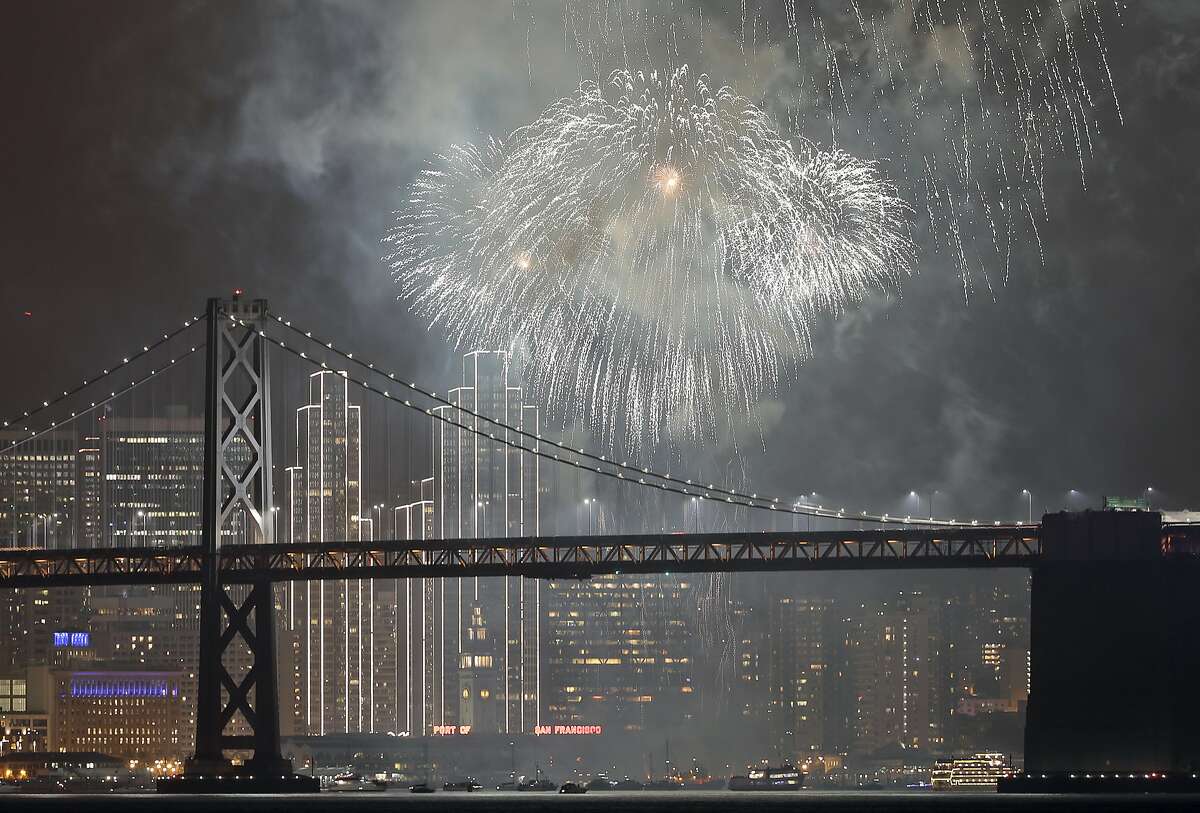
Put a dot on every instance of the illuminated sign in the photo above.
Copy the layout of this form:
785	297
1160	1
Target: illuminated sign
74	640
122	687
577	730
450	730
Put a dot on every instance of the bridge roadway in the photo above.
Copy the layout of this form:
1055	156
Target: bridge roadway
548	557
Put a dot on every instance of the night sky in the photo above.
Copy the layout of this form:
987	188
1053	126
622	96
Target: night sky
155	154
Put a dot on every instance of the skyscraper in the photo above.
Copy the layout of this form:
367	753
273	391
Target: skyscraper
153	479
334	660
89	485
798	675
618	652
37	489
419	632
37	510
485	488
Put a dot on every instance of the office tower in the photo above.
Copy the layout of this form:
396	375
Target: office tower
798	675
420	630
484	488
89	489
326	507
37	510
750	689
121	712
37	489
156	628
893	649
153	480
617	652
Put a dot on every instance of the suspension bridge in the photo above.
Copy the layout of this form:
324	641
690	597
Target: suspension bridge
237	554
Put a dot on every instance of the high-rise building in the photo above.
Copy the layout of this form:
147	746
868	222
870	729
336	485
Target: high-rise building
37	510
37	489
799	675
153	479
326	484
894	650
420	633
618	652
483	487
89	485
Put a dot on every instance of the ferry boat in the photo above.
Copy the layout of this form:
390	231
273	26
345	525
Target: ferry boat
785	777
978	772
355	782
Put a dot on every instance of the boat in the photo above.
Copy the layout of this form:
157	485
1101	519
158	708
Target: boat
351	781
572	787
538	783
785	777
601	783
421	787
976	772
629	784
467	785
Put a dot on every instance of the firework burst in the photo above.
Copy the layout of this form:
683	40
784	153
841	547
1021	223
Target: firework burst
656	248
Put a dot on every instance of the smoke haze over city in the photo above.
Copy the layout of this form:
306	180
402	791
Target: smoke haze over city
161	154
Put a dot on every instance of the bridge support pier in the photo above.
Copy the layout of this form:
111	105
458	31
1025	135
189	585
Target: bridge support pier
237	503
1113	656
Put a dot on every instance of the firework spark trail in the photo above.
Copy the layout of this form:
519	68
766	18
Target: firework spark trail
657	249
966	102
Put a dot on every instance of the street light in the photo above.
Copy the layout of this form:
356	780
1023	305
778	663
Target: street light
1029	495
481	519
1149	491
591	504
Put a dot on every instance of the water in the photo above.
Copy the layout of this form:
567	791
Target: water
595	802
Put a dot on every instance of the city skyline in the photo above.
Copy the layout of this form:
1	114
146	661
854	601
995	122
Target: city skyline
600	396
615	654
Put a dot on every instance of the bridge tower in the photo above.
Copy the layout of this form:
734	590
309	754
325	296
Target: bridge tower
237	505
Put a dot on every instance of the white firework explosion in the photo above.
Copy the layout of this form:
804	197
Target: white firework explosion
658	251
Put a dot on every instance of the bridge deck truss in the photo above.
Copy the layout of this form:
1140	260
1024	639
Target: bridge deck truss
535	557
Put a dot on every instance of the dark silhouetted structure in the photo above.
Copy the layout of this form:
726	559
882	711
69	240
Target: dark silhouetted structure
1112	647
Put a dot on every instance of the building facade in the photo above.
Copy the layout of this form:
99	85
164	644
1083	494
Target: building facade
333	659
124	713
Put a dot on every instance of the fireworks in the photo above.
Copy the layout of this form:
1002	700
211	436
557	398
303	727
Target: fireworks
656	248
968	103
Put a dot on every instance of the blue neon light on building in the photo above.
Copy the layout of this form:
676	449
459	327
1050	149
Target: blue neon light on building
73	640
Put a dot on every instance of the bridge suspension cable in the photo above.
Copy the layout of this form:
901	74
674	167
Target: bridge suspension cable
126	361
598	464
